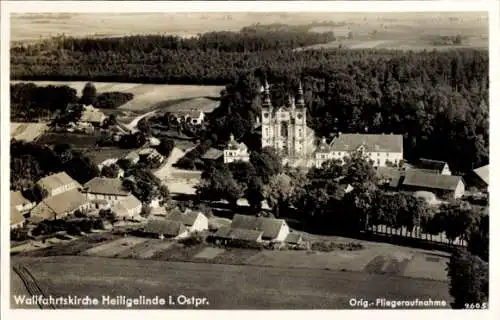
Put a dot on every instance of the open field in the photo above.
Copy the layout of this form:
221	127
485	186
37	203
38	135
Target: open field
32	27
241	287
146	96
27	131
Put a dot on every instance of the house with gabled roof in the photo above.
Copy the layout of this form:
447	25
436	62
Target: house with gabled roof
164	228
382	149
274	230
109	189
433	166
17	218
20	203
192	220
57	183
127	207
59	206
228	234
441	185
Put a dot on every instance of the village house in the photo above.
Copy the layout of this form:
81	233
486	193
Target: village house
133	157
226	235
57	184
192	220
17	218
127	207
60	205
193	116
236	151
389	177
382	149
163	228
19	209
108	189
20	203
441	185
433	166
150	154
92	116
294	239
212	155
479	177
273	230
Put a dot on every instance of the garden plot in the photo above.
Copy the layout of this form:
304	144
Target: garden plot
114	248
152	248
209	253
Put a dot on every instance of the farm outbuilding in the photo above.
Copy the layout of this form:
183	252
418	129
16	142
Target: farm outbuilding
192	220
164	228
274	230
227	235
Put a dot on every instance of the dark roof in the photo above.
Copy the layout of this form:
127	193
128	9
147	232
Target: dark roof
59	204
431	164
293	238
164	227
483	173
430	180
371	142
212	154
269	226
108	186
188	218
238	234
389	174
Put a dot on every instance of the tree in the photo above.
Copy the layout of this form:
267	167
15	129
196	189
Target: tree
218	183
111	171
278	193
457	219
479	238
165	147
266	163
358	169
89	94
469	280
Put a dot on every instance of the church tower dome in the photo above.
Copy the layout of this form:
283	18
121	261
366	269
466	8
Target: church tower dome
267	96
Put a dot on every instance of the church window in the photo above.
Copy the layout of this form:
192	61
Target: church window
266	115
284	129
299	116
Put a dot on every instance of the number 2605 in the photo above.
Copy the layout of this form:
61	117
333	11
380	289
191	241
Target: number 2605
472	306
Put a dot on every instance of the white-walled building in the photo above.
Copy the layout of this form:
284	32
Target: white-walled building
57	183
236	151
108	189
382	149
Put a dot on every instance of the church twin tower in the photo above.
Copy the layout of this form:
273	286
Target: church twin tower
285	128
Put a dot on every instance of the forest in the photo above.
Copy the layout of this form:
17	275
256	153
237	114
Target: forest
437	99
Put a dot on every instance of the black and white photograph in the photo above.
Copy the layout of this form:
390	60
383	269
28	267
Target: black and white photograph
244	159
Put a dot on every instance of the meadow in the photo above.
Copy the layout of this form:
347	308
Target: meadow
370	30
146	96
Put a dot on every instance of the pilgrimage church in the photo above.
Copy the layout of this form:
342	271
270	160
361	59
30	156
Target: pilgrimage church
285	129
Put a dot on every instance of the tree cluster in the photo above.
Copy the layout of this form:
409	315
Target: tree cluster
29	102
112	100
29	162
144	185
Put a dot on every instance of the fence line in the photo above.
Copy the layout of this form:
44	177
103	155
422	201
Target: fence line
415	234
